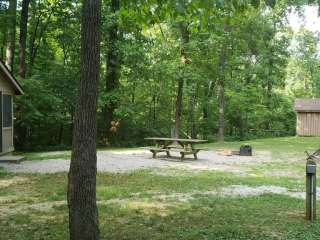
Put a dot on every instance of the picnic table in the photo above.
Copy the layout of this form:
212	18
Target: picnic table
182	146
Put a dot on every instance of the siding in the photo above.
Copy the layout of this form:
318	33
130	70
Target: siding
7	133
5	85
307	105
7	137
308	124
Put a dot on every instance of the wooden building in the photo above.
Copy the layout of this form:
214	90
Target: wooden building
308	116
9	87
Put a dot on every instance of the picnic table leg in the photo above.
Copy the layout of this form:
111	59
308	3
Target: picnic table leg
195	156
154	154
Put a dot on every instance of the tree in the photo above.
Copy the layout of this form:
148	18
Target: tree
23	37
3	29
303	76
83	212
184	32
113	67
11	35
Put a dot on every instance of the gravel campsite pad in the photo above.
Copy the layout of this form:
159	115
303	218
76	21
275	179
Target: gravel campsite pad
125	161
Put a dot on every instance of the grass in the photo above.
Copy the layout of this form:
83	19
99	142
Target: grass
296	145
30	156
169	204
277	146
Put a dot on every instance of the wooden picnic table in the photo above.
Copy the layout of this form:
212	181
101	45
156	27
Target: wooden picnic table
183	146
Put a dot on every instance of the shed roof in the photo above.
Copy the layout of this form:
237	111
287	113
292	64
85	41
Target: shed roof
17	87
307	105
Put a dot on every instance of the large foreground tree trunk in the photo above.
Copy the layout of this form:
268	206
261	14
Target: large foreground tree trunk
23	37
178	106
113	67
11	34
83	212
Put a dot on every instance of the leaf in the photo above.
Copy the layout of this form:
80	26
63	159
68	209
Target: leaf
271	3
255	3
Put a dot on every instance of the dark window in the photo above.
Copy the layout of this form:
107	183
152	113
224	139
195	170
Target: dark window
7	111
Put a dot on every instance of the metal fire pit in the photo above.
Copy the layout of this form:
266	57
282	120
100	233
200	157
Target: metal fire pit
245	150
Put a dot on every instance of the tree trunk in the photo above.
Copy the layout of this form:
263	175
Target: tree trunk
113	65
4	38
221	82
154	112
11	34
221	112
192	101
178	106
23	37
177	119
208	89
221	95
83	212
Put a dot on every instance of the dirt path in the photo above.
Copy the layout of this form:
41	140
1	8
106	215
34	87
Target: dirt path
134	160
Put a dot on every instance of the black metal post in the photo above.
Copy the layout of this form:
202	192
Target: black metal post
311	190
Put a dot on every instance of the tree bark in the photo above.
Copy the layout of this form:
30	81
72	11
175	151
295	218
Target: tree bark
221	95
83	212
178	106
4	34
192	102
113	66
11	34
23	37
177	119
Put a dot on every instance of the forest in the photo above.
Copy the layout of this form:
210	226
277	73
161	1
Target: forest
217	70
101	79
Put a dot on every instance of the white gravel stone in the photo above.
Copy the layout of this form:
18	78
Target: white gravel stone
140	159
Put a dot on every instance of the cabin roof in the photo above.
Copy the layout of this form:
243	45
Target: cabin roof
17	87
307	105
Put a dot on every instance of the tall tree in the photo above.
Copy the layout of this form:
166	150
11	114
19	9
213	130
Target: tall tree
23	37
3	30
113	66
221	85
11	35
221	95
42	13
185	35
83	212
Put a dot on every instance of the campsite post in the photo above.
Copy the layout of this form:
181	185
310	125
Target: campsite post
311	190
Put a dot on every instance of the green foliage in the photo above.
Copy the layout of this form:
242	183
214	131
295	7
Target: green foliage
44	113
303	69
263	70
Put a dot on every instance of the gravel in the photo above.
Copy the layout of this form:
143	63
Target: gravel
127	161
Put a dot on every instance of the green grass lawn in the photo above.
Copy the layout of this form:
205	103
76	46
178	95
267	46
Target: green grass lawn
62	154
169	204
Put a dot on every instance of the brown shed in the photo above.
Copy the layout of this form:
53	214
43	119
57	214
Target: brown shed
9	87
308	116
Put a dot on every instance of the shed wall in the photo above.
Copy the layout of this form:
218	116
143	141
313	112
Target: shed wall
7	133
308	124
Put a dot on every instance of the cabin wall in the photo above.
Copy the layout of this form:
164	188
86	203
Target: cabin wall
7	132
308	124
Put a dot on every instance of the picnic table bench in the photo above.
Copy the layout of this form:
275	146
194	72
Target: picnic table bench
182	146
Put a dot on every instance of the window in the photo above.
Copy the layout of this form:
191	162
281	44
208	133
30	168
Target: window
7	110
